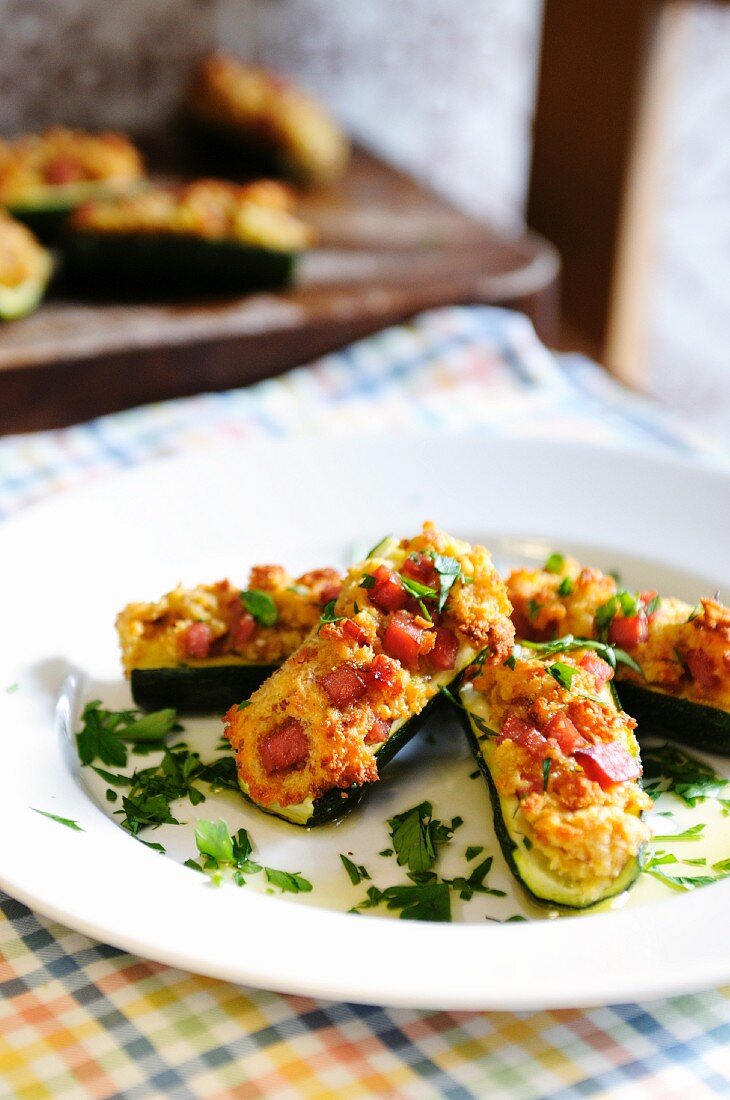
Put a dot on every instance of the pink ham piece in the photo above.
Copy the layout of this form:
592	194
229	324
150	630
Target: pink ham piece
285	747
607	764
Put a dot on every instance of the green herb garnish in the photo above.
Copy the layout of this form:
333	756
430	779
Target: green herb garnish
427	901
328	614
555	563
563	674
668	769
289	882
565	587
356	872
448	570
260	604
693	833
546	766
67	821
416	834
103	732
475	884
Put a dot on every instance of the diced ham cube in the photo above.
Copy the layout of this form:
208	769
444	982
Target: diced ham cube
403	639
607	764
387	593
561	729
599	669
344	685
378	732
284	748
443	654
196	641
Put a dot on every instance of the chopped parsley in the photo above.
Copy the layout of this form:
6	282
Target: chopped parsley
611	654
103	732
696	610
386	852
678	882
555	563
546	766
67	821
448	570
475	884
260	604
511	662
356	872
532	608
368	581
214	840
693	833
430	901
668	769
328	614
473	850
563	674
416	835
565	587
290	882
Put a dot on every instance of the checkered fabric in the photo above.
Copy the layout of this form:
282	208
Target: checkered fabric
82	1019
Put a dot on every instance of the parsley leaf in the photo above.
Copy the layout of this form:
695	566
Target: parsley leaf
693	833
416	835
473	851
356	871
448	570
288	881
475	884
67	821
213	839
532	608
563	674
415	588
423	901
555	563
565	587
260	604
328	614
670	769
546	766
103	732
368	581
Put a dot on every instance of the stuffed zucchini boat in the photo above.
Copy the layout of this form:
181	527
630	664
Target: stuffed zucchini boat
409	619
562	766
25	270
43	177
681	687
265	121
205	648
206	235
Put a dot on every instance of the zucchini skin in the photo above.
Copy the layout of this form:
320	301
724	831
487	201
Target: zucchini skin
683	720
140	261
196	690
515	856
338	802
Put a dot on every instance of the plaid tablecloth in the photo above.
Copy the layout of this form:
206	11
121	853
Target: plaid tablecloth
82	1019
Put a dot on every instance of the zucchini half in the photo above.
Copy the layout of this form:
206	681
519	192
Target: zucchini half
46	208
663	715
339	801
527	863
197	689
138	261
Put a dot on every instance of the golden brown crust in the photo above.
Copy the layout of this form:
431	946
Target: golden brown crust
270	112
585	831
151	635
59	157
339	750
686	652
258	214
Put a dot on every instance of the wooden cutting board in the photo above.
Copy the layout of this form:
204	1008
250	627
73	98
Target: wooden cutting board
388	249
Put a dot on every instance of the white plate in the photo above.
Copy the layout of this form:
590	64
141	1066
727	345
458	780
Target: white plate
71	563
